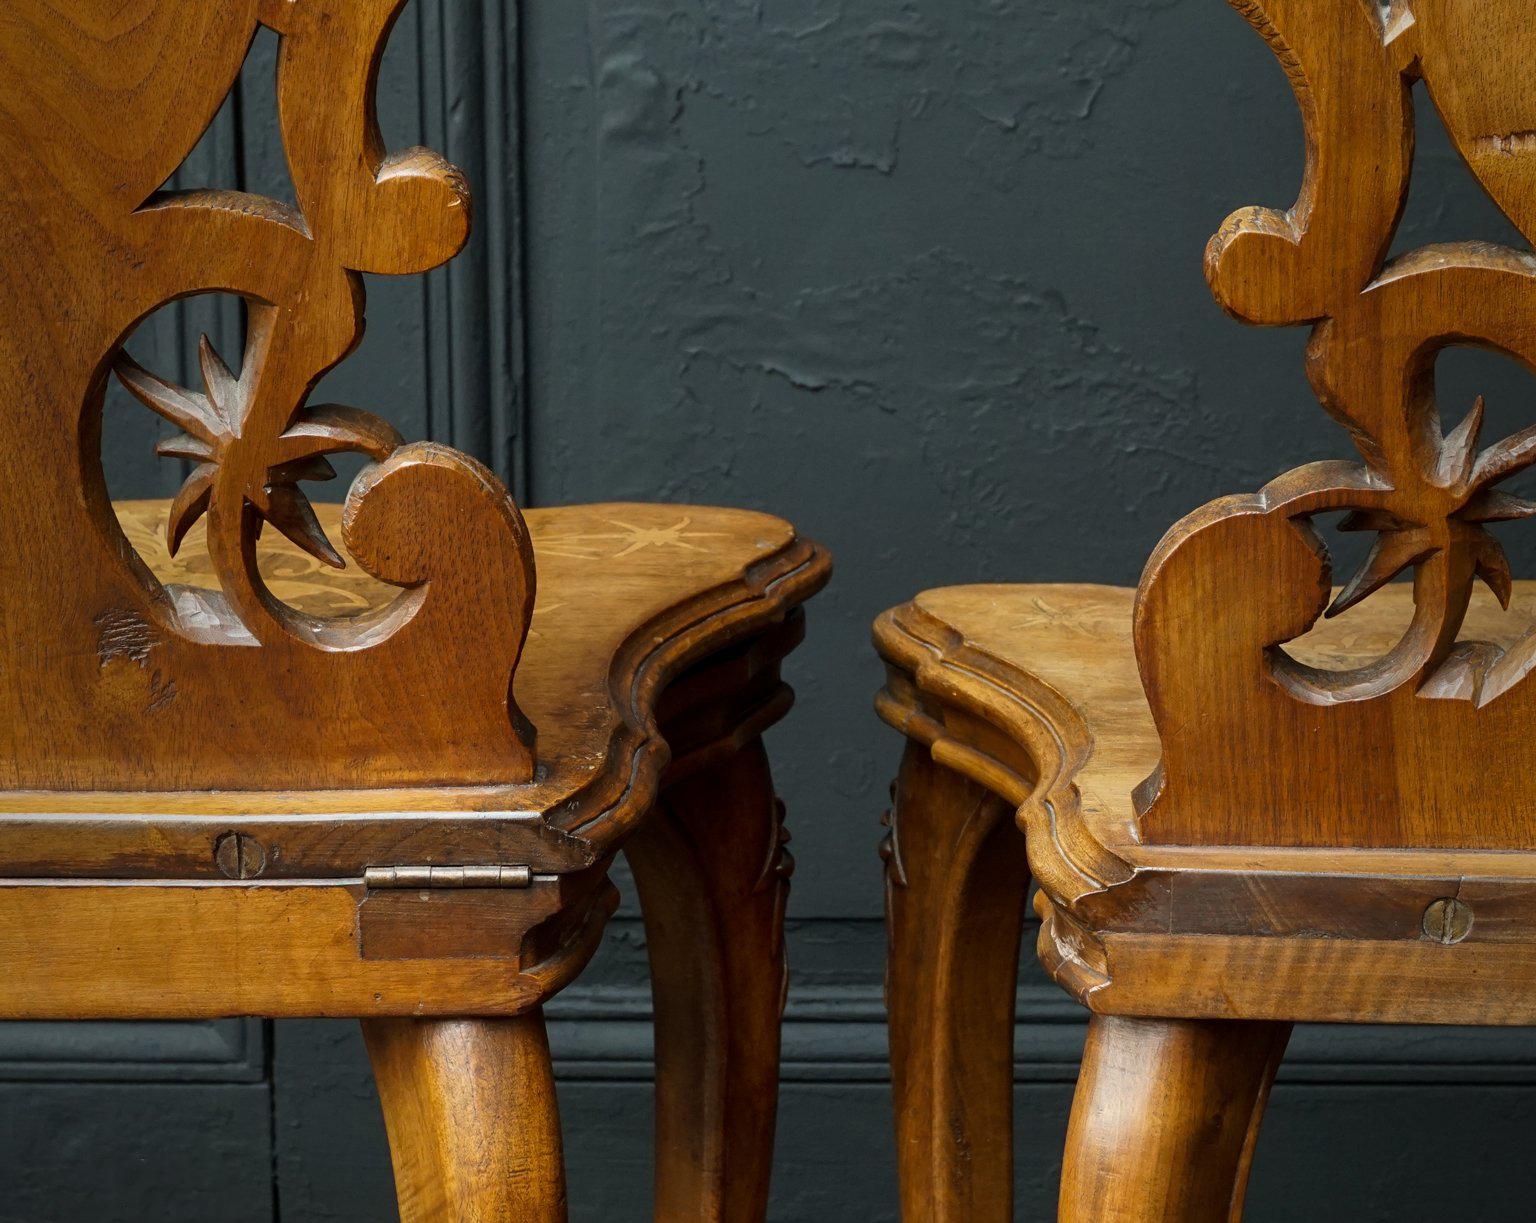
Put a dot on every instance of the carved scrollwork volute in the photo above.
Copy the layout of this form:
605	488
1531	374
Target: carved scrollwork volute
1271	266
1243	723
97	108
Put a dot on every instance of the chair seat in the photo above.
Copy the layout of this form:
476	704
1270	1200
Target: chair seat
1033	692
628	598
1075	642
653	654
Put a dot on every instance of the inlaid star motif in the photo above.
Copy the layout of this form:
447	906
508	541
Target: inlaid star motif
631	538
540	611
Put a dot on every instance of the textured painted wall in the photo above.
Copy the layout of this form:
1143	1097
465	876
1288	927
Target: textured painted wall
925	276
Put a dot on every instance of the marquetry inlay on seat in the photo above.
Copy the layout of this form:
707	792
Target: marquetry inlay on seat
619	586
1069	649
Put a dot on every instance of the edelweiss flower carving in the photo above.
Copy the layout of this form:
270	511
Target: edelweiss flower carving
212	424
1466	483
1388	748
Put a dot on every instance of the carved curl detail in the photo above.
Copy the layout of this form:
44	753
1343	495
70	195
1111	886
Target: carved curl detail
1221	686
252	436
112	101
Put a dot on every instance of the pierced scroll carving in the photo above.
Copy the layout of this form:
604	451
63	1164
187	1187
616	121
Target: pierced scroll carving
1258	748
98	105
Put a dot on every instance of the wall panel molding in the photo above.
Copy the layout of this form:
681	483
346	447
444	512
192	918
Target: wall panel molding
471	111
836	1034
214	1051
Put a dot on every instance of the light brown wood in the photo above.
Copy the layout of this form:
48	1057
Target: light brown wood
1164	1119
1258	747
474	1127
630	597
146	686
1069	649
955	888
1031	693
1256	790
263	757
131	951
712	873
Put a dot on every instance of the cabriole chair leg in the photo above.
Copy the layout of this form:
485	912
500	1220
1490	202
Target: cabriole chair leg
1165	1119
956	883
712	876
474	1130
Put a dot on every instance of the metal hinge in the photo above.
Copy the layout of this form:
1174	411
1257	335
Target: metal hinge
448	876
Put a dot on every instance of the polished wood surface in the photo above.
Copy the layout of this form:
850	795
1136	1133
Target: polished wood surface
1259	747
176	951
955	910
474	1129
1069	649
1256	791
143	687
259	756
630	597
1165	1119
712	870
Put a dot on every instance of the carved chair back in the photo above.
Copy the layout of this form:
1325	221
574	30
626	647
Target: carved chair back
1430	745
109	680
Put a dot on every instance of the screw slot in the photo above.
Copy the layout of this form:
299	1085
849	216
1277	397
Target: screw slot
1448	921
239	856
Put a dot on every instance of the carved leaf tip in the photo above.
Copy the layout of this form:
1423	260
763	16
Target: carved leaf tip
184	446
222	387
331	428
1491	564
190	412
315	467
1495	505
1391	553
190	503
1374	520
291	513
1505	458
1458	452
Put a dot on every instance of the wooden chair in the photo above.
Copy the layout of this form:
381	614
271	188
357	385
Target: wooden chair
237	783
1241	812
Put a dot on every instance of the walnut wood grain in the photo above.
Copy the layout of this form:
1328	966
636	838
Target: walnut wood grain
1165	1119
158	951
955	898
1258	746
610	633
712	872
142	687
981	677
374	759
1256	790
474	1127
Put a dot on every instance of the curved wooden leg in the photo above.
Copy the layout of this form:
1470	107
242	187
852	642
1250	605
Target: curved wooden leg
956	882
713	876
1165	1119
474	1132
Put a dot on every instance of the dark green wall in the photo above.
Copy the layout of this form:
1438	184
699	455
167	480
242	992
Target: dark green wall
924	275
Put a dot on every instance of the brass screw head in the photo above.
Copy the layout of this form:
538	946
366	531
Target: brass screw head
1448	920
